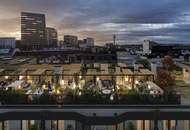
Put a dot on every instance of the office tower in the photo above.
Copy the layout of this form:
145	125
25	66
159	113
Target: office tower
89	42
71	41
51	35
86	43
33	30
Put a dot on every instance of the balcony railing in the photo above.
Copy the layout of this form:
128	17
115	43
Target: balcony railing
89	99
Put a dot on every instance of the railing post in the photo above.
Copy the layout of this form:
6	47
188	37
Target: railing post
3	125
155	124
42	125
133	82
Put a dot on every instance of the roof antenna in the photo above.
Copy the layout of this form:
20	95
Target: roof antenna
114	40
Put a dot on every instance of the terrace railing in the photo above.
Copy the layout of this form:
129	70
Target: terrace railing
133	99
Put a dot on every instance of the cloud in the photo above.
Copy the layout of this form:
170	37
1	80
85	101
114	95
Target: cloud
133	21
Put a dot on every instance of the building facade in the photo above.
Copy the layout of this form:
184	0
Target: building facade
146	47
86	43
89	42
95	118
7	42
33	34
51	35
71	41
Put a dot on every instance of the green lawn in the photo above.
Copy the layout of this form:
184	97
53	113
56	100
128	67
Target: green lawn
183	88
182	83
186	63
177	72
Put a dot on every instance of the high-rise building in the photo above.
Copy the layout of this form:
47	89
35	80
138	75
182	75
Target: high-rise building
70	40
7	42
89	42
86	43
33	28
146	47
51	35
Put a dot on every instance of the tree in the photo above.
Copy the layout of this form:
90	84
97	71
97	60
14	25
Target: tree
143	62
168	63
164	79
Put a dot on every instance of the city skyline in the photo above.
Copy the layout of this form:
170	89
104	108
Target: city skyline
165	21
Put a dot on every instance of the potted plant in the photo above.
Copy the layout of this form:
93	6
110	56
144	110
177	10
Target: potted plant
131	126
69	127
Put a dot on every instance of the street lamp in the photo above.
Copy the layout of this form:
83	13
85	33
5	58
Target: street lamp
111	98
118	87
20	77
62	82
97	79
44	86
136	82
6	77
19	87
126	79
79	86
58	92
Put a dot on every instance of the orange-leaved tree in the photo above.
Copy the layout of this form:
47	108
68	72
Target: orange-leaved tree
164	79
168	63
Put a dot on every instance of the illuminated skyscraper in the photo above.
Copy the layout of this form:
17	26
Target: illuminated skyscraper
33	34
51	35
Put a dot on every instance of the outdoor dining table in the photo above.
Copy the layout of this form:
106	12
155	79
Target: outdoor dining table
106	91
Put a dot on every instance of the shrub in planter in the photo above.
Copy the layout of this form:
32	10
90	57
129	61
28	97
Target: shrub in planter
131	126
47	99
34	127
69	127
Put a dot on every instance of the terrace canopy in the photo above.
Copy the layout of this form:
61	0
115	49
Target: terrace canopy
19	72
104	66
58	71
127	72
146	72
39	72
2	70
23	71
71	72
72	66
122	65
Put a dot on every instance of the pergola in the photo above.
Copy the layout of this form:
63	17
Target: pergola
38	72
2	70
69	71
121	64
58	71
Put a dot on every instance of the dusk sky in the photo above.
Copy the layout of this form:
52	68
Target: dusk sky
165	21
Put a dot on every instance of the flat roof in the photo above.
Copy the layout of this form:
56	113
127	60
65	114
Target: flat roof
2	70
71	72
23	71
127	72
58	70
146	72
18	71
122	64
39	72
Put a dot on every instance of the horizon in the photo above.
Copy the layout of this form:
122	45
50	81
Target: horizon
165	21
